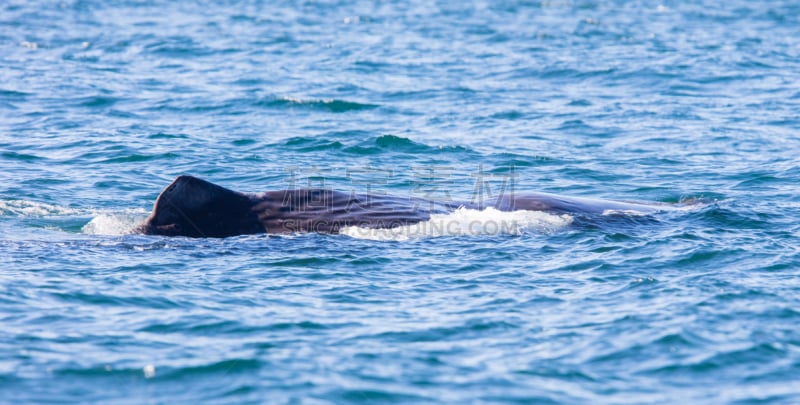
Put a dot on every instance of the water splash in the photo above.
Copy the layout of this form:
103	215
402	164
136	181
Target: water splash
467	222
114	223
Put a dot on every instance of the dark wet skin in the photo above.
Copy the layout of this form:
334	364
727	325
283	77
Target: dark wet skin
196	208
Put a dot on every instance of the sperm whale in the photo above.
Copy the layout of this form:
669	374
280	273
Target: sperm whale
193	207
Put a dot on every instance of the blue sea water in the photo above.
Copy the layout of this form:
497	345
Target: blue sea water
102	104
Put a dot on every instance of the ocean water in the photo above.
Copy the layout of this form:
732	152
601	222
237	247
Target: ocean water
102	104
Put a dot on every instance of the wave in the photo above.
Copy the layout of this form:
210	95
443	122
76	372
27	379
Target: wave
467	222
330	105
25	208
360	143
103	222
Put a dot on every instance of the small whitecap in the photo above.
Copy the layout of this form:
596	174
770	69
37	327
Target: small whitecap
630	213
290	99
352	20
149	371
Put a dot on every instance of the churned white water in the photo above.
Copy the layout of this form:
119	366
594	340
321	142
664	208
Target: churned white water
467	222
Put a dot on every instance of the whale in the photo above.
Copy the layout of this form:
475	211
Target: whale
193	207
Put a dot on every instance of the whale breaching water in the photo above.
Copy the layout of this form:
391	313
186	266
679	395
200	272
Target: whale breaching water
197	208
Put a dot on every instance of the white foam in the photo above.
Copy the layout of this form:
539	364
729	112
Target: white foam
24	208
115	223
466	222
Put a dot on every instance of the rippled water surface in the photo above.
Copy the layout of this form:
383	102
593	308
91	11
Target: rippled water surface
102	104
